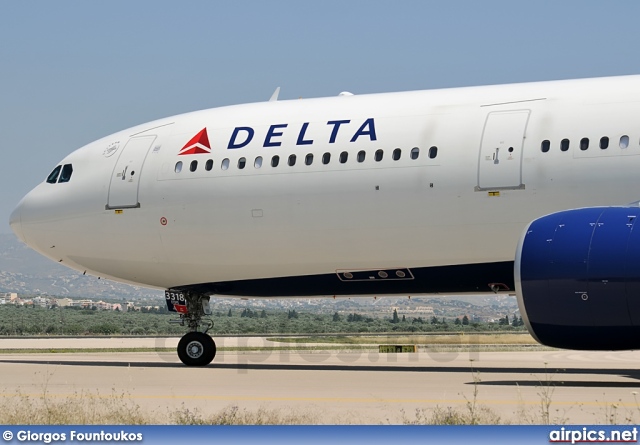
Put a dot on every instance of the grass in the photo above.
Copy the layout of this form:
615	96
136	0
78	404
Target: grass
82	409
454	342
231	348
472	414
93	408
79	350
422	339
232	415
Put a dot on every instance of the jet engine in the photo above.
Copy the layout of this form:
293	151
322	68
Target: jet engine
577	278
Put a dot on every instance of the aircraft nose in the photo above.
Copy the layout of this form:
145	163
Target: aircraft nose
15	221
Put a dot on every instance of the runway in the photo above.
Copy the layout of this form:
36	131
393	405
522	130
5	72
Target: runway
347	387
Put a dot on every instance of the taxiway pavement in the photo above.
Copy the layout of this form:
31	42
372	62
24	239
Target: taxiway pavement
363	387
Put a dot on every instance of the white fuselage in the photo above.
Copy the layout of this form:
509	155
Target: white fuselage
465	203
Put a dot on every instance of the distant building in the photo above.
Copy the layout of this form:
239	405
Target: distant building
417	310
63	302
103	306
40	301
8	298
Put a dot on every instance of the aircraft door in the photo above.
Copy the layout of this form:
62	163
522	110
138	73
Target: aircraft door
501	150
125	179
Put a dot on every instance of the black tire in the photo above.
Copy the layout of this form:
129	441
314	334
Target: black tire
196	349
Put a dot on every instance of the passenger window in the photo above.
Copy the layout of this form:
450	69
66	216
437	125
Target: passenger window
326	158
53	176
308	159
241	163
258	162
624	141
564	145
415	152
433	152
379	155
178	167
604	143
292	160
275	160
343	157
225	164
545	146
65	175
361	155
194	166
209	165
584	144
396	154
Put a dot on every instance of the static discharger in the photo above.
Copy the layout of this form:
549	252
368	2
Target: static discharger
494	193
119	211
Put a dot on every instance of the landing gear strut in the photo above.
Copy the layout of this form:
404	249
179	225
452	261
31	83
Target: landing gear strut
195	348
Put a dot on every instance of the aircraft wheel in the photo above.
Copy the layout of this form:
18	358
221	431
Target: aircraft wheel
196	349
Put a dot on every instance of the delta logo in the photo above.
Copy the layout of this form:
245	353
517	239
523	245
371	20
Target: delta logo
334	131
197	144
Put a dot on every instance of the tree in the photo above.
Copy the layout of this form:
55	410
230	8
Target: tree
229	313
248	313
395	319
465	321
434	320
515	323
403	318
263	314
457	322
336	317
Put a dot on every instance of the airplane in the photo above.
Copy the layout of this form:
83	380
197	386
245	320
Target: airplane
527	188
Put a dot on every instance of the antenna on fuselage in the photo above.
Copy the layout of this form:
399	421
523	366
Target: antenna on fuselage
274	96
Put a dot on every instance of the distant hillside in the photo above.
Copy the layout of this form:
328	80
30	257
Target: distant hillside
26	272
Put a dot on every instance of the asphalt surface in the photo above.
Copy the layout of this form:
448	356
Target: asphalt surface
337	386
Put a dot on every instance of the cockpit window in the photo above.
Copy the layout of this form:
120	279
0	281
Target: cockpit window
53	176
67	170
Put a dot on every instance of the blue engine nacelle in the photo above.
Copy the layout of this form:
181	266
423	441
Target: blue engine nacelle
578	278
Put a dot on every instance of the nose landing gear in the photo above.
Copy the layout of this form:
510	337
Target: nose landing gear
195	348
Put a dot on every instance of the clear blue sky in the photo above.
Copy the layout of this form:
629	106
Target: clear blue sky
74	71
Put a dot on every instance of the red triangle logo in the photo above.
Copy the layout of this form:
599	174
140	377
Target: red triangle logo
197	144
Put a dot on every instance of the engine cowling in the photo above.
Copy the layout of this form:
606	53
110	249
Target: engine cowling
577	278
